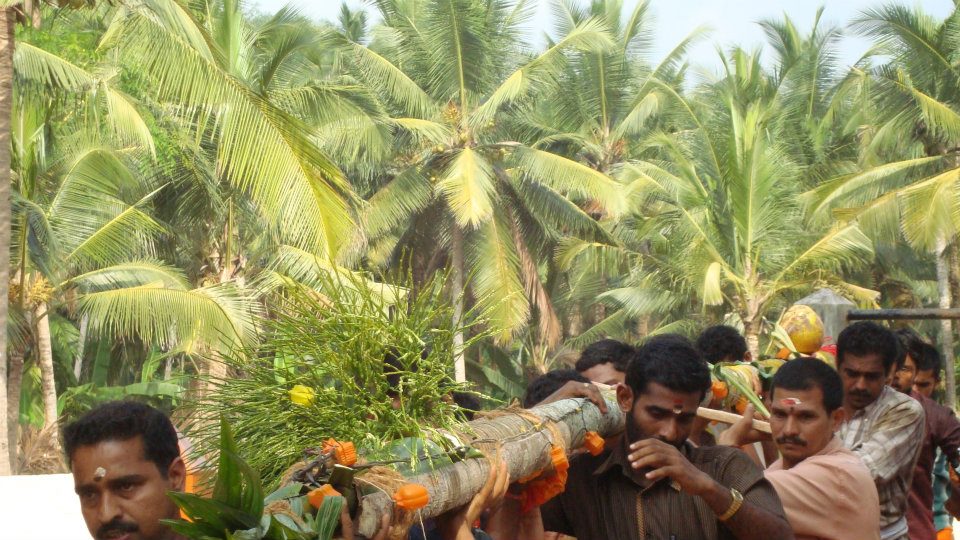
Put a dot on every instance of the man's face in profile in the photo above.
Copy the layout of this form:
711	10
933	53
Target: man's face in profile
122	494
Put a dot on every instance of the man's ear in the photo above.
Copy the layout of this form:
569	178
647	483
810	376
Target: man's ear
177	474
625	397
748	357
836	418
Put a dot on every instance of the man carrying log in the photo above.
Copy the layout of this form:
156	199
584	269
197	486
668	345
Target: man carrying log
654	484
605	361
882	426
827	492
942	432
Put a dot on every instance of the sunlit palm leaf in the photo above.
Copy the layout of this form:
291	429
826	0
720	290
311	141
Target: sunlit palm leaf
468	187
219	317
261	149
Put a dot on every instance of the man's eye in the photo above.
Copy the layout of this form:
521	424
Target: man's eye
126	487
779	415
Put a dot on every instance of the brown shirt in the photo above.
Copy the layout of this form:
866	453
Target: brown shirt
606	499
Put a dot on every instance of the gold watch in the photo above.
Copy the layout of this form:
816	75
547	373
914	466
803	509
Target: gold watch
734	505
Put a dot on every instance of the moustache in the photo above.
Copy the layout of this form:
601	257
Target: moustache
859	394
791	440
115	527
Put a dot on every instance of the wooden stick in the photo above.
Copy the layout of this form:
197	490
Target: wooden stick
730	418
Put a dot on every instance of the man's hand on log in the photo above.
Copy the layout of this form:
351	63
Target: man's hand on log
665	461
742	432
574	389
457	524
347	529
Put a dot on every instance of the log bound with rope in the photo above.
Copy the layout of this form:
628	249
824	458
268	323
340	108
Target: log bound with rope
522	438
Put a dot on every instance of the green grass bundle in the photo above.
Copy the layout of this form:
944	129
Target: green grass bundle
320	373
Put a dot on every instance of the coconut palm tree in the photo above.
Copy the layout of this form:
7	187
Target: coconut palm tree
83	233
720	209
907	180
461	188
604	103
212	77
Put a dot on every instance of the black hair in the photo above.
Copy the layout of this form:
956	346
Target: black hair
912	344
603	352
805	374
669	360
468	403
929	359
122	421
721	343
540	388
865	337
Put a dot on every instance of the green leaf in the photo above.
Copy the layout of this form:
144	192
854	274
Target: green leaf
328	517
468	187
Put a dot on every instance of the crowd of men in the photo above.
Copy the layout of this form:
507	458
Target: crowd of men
862	451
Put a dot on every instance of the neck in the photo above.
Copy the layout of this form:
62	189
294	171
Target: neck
849	411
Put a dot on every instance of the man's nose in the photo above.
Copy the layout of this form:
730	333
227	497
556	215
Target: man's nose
861	383
109	509
668	430
790	426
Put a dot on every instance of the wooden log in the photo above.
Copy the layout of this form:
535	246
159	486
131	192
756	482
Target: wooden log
521	441
903	314
730	418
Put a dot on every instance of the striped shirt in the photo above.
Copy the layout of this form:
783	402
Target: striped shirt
606	499
887	435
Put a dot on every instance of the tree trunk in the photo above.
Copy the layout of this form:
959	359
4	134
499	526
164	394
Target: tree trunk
81	341
47	382
946	325
523	444
7	23
456	291
751	332
14	384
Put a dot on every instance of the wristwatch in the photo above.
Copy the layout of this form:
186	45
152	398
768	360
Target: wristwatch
735	505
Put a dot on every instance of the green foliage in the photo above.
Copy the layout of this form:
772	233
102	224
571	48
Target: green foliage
334	343
237	510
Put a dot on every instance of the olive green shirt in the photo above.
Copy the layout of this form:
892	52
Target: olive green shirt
606	499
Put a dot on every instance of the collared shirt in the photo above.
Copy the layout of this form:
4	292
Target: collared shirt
828	496
887	435
606	499
942	431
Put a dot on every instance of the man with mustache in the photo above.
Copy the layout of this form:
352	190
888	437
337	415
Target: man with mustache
826	490
942	432
882	426
655	484
125	458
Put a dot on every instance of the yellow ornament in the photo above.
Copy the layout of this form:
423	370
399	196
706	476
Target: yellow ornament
302	395
804	327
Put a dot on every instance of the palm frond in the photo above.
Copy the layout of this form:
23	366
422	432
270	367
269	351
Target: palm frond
261	149
468	188
496	277
220	317
571	178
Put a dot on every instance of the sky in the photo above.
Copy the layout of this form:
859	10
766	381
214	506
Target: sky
730	21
